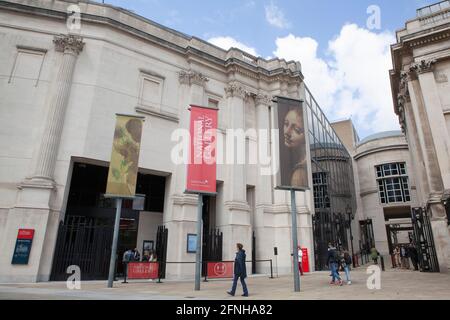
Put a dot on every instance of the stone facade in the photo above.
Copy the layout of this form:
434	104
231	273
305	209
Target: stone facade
60	91
375	150
421	94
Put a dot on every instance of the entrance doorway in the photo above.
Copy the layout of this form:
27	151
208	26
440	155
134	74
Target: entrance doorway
212	237
85	234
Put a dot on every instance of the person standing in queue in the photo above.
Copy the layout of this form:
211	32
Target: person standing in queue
300	259
126	258
240	271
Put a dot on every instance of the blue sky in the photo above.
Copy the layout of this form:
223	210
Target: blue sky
328	37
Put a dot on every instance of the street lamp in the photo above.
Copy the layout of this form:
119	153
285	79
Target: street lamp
351	216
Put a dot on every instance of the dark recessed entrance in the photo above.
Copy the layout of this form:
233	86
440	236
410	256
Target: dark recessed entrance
85	234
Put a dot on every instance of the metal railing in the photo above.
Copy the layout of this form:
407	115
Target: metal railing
162	266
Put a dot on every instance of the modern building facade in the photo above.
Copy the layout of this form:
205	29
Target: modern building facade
60	92
421	94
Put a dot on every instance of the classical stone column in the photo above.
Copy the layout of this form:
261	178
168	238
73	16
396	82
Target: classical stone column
235	222
433	107
263	189
181	211
422	71
425	102
70	46
410	129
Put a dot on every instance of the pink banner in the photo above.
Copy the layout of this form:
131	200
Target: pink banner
201	175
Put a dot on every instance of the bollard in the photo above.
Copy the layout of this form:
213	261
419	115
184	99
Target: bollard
271	270
382	263
159	272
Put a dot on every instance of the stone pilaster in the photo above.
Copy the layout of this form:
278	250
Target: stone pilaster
70	46
181	208
235	222
435	145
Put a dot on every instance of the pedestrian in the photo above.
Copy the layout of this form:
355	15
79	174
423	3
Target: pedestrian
332	261
300	259
405	257
398	261
240	271
374	254
126	258
346	263
136	255
414	256
153	256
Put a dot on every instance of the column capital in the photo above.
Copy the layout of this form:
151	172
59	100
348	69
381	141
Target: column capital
262	98
423	66
236	89
192	77
69	44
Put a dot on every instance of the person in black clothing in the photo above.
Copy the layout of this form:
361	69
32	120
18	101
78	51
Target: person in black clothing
332	261
412	252
240	271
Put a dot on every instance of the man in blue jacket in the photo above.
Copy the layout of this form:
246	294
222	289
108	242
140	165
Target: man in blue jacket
240	271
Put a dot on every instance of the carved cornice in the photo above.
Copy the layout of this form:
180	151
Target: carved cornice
423	66
263	99
192	77
237	89
69	44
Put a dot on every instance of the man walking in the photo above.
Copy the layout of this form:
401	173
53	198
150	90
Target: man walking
332	261
240	271
414	256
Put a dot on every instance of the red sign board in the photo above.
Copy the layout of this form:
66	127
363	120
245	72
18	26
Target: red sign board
305	260
201	173
143	270
25	234
220	269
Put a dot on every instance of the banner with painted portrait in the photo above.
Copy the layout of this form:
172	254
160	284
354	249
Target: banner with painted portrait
290	122
123	167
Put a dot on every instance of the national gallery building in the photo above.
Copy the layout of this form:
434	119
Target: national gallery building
61	88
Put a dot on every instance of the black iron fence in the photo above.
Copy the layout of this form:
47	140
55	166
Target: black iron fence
424	241
86	243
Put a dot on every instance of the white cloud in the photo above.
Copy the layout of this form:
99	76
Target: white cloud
229	42
275	16
353	81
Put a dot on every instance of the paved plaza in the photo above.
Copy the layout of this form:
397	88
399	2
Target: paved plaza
395	284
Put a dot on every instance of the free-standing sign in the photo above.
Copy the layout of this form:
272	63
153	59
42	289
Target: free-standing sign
201	173
143	270
23	246
220	269
290	122
305	260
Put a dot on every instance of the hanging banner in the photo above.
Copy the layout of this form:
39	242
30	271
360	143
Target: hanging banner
201	171
290	123
22	249
123	167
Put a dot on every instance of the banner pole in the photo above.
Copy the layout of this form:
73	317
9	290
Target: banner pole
198	254
112	262
295	242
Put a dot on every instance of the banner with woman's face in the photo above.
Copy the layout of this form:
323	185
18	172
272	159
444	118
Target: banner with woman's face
290	122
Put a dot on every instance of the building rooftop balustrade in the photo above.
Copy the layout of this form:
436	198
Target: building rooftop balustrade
434	13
